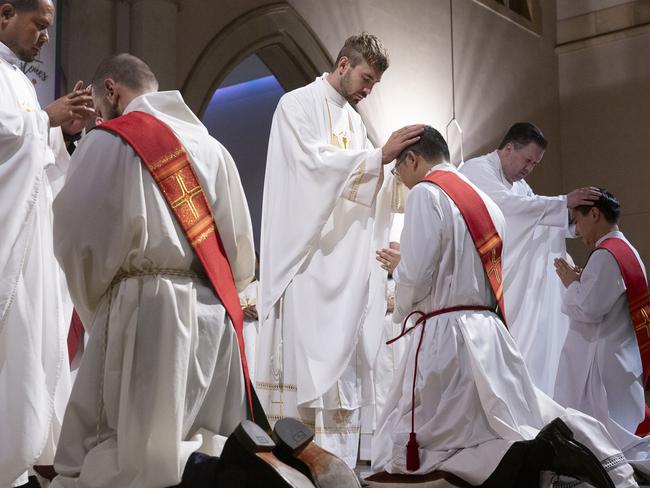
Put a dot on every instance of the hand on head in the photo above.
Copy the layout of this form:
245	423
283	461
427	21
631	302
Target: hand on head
583	196
399	140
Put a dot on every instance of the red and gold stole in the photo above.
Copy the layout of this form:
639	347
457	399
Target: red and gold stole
479	224
167	161
638	301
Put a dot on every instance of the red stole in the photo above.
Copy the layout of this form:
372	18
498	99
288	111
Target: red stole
167	161
479	223
638	300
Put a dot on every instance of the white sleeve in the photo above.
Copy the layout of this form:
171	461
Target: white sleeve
600	285
233	220
419	249
365	181
107	187
535	209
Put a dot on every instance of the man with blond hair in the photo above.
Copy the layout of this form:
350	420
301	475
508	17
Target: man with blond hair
326	210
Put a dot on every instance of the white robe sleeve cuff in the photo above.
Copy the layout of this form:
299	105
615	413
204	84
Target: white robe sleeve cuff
364	183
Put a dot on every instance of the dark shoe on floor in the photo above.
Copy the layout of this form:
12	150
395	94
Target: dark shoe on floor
31	483
247	461
571	458
295	447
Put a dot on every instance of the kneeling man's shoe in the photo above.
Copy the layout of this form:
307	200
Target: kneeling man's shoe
247	462
295	446
571	458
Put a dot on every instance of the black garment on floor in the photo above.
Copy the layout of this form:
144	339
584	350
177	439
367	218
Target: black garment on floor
201	471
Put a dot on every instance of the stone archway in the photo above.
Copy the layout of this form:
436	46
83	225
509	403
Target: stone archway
277	34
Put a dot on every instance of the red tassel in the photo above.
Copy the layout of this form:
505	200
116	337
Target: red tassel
412	453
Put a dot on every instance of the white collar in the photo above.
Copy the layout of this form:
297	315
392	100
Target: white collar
614	233
8	55
442	167
331	92
495	160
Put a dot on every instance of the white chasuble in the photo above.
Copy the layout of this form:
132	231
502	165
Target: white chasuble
473	395
35	308
326	210
536	230
161	373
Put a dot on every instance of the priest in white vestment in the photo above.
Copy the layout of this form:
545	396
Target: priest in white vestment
161	373
474	400
600	370
537	227
35	308
326	209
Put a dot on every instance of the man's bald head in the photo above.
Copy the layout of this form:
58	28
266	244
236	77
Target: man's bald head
126	70
118	80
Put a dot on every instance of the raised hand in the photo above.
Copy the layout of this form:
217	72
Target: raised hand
73	110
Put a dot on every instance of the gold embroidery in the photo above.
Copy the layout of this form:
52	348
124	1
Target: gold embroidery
342	140
203	236
645	324
398	196
494	268
167	158
354	190
337	430
263	385
186	197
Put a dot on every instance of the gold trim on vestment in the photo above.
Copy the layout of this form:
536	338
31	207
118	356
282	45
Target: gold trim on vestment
168	157
263	385
354	190
203	236
172	169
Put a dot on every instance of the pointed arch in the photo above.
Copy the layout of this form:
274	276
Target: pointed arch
277	34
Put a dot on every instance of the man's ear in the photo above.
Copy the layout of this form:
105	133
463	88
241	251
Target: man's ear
109	87
7	11
595	213
344	62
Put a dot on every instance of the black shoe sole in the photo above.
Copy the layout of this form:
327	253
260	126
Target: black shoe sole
295	446
247	462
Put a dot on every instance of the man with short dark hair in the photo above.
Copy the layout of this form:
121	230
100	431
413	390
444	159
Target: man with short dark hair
35	308
536	228
152	199
462	402
326	209
605	361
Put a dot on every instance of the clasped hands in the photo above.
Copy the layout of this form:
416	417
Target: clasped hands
567	273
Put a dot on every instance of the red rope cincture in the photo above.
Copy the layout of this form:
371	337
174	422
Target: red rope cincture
412	446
